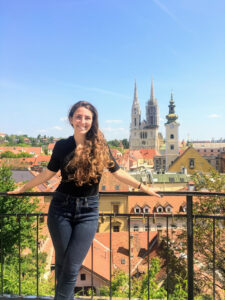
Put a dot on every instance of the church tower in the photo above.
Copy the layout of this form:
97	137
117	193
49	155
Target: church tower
172	147
135	120
152	110
144	133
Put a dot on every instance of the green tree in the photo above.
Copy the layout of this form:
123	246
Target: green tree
125	143
203	234
18	234
139	286
203	230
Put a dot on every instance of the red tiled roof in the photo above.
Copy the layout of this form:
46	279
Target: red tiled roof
175	201
51	146
109	181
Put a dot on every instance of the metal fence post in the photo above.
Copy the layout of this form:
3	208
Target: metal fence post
190	247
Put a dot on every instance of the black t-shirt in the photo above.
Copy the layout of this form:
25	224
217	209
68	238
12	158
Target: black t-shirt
62	153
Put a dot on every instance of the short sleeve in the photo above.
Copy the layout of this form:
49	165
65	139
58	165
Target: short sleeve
54	163
115	166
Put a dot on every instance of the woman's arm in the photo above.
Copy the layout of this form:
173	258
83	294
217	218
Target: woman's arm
128	179
40	178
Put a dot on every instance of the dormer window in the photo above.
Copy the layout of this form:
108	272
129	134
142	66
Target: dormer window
159	209
168	209
117	187
146	209
137	210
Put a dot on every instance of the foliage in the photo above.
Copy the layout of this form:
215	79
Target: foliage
139	286
203	229
117	144
18	236
10	154
177	270
203	233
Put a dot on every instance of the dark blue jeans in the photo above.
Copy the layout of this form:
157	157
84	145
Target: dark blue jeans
72	223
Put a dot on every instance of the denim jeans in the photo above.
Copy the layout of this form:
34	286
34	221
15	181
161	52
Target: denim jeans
72	223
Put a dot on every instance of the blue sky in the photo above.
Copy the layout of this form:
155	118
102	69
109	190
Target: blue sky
54	53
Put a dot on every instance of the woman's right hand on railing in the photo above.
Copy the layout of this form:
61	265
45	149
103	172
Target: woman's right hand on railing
18	190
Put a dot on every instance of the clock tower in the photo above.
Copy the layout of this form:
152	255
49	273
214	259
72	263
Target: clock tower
172	147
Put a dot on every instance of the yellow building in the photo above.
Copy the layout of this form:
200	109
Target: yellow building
192	161
113	204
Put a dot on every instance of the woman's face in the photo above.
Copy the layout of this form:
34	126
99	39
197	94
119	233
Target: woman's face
82	120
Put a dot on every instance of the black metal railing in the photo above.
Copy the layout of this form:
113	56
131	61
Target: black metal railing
189	216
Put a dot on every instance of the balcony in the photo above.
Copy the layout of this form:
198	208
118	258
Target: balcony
166	237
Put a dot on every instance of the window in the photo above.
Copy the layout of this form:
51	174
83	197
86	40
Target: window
117	187
172	136
82	277
123	261
137	210
115	208
204	150
168	209
191	163
136	228
159	209
171	147
146	210
134	121
116	228
181	179
103	187
146	228
171	179
211	150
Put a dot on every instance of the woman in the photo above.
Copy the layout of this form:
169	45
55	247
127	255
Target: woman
73	212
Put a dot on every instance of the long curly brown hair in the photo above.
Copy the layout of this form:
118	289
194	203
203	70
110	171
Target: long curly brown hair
89	162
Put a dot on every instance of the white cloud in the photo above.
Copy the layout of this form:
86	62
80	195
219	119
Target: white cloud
111	129
42	130
57	127
113	121
63	119
214	116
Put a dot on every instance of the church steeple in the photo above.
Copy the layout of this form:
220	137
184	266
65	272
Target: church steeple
136	111
171	117
152	97
152	110
135	92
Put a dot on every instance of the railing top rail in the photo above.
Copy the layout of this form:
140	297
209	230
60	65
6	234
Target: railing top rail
156	215
130	193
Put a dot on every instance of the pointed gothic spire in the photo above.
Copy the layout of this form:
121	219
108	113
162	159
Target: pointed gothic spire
135	92
152	91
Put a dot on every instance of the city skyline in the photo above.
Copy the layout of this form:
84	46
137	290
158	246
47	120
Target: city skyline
56	53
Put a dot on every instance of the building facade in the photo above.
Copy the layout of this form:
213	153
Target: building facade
144	133
172	142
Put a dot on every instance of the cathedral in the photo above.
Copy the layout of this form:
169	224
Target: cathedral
144	133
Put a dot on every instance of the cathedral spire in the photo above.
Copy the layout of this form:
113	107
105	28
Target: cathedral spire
135	92
152	98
